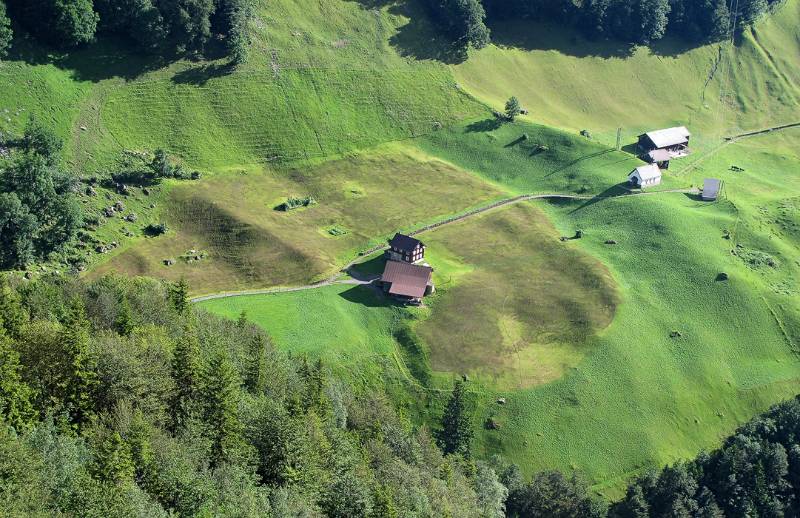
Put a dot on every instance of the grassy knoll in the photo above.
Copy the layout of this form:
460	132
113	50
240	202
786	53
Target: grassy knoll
567	81
249	244
524	310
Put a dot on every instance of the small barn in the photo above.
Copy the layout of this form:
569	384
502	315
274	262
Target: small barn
405	248
407	282
711	188
645	176
661	146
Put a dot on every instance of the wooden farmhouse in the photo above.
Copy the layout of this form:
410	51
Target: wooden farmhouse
711	188
405	248
407	282
659	147
645	176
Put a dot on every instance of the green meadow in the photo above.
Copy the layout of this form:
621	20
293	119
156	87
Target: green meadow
612	358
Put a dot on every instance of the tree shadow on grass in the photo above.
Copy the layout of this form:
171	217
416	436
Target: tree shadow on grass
112	57
484	125
532	35
201	74
419	38
579	160
614	191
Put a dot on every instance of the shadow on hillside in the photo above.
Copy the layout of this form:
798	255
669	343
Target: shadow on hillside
107	58
418	39
201	74
614	191
367	296
532	35
484	125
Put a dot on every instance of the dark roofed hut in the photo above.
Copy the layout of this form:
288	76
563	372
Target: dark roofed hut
407	282
405	248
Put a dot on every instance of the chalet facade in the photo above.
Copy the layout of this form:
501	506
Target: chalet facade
405	248
645	176
407	282
659	147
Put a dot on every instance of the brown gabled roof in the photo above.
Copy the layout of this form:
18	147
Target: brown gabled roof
407	280
404	242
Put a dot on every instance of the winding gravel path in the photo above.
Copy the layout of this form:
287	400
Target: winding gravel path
334	279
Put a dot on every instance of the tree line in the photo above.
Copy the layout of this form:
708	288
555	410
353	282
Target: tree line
118	398
155	26
632	21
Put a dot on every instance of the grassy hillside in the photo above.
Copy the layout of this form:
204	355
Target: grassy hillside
627	355
570	82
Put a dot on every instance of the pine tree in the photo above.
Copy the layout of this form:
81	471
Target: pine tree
138	439
456	434
186	373
12	313
5	31
220	400
512	108
80	380
113	461
16	408
124	320
256	373
179	295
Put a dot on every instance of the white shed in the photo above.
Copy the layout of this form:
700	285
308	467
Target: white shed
645	176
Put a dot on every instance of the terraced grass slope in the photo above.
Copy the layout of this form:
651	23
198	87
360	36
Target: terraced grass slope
232	222
570	82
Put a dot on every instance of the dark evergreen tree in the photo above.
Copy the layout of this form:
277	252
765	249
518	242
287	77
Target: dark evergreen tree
652	17
113	461
456	433
553	495
256	371
179	294
16	408
186	373
6	35
463	20
80	378
513	108
220	396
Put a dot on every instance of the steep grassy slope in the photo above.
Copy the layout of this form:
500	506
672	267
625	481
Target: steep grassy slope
567	81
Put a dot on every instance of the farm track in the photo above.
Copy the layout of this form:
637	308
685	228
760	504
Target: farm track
334	279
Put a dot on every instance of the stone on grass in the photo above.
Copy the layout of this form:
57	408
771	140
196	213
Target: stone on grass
501	401
611	242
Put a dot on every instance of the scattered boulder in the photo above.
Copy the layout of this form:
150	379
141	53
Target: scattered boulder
722	276
491	424
100	249
501	401
169	262
578	234
675	334
108	212
146	191
563	238
90	191
84	128
152	205
131	217
465	377
29	275
119	206
610	242
585	133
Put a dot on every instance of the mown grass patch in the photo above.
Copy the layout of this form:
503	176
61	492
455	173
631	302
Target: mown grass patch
524	310
251	245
